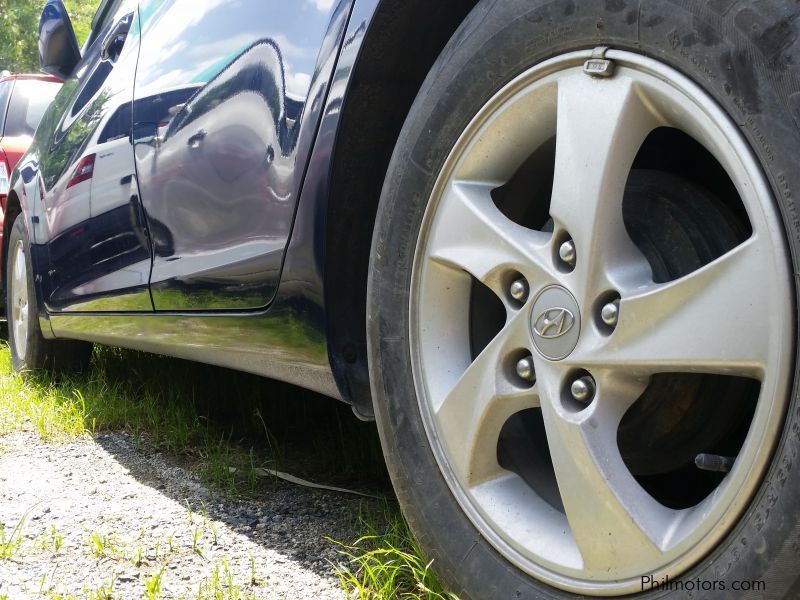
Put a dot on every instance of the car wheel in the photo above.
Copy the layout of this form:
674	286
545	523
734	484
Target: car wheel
581	309
30	351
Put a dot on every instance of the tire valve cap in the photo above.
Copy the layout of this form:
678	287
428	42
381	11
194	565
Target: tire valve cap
566	252
519	290
525	369
714	462
610	313
582	389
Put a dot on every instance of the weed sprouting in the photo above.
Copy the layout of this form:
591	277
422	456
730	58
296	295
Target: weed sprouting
197	536
11	543
104	592
102	545
387	563
220	585
153	585
51	540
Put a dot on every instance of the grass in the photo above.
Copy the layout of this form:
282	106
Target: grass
103	545
387	562
229	424
221	586
218	416
104	592
55	413
51	540
11	543
153	584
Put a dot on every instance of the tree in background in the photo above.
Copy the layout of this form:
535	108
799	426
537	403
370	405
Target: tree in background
19	28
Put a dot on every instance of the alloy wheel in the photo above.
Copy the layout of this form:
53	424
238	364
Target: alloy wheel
588	328
19	299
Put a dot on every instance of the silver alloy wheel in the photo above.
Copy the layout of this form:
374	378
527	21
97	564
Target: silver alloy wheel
730	317
19	299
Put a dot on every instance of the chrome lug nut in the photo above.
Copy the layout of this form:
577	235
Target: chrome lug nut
583	389
519	290
610	313
525	369
567	252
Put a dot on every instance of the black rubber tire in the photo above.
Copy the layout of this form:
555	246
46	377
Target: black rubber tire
745	55
40	353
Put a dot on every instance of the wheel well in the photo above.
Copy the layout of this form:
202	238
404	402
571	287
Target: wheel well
399	48
13	208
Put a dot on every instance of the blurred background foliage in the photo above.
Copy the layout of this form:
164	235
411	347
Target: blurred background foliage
19	24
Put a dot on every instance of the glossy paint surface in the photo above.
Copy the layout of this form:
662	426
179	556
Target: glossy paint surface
227	100
22	104
89	230
287	340
20	117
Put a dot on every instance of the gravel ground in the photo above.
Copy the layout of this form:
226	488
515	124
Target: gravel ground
137	505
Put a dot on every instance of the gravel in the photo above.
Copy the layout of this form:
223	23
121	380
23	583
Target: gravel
150	512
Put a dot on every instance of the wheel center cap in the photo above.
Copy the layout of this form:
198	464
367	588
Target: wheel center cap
555	322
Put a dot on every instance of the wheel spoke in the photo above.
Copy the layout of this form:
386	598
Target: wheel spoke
600	127
19	267
19	300
711	321
477	406
473	235
614	521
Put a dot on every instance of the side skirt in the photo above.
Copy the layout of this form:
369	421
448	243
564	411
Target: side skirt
279	343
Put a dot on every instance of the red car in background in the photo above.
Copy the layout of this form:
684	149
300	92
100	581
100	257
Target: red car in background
23	100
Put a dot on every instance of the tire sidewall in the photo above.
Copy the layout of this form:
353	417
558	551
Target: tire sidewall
740	53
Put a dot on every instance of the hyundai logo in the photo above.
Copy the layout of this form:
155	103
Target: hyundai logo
553	323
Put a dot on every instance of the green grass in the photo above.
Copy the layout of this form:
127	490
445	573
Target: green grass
221	585
10	543
51	540
104	592
55	413
153	585
387	562
228	424
103	545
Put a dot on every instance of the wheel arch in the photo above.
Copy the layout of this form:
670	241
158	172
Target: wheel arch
402	42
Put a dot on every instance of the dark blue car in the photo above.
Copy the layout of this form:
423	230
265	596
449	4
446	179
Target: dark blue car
550	246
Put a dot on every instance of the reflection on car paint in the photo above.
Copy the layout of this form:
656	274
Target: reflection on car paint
91	234
224	172
287	340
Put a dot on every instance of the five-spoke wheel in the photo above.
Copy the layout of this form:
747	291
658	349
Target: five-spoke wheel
593	324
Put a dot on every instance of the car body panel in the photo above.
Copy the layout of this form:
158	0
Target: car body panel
14	144
15	138
95	247
288	339
14	147
222	179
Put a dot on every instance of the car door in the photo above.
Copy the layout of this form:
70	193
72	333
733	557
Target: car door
92	229
227	100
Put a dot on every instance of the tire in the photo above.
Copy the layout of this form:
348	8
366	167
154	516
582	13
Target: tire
30	351
735	59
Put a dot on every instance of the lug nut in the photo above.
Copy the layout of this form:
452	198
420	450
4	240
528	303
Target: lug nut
525	369
567	252
583	389
519	290
610	313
